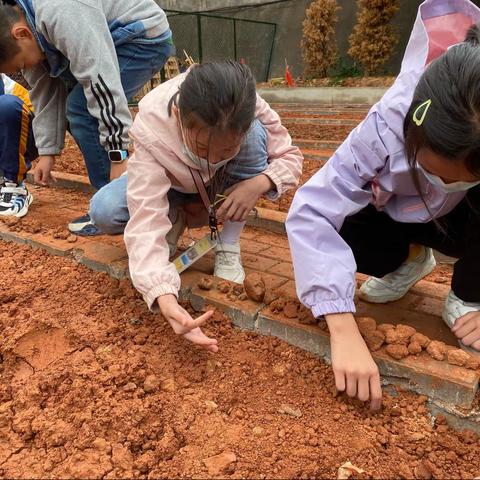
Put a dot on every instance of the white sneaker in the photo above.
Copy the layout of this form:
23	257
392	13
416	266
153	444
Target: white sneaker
178	227
14	199
395	285
453	310
228	262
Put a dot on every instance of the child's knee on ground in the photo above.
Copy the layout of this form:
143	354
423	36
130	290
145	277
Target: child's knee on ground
108	207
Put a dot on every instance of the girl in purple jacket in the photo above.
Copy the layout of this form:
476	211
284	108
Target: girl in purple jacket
406	181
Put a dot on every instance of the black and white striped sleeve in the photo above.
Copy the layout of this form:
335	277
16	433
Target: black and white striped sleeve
81	33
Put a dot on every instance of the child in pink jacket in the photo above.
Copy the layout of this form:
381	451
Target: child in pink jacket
205	131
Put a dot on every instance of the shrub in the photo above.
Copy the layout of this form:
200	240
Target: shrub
374	37
319	47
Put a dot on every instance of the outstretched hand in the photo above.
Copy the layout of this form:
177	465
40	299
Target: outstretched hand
183	324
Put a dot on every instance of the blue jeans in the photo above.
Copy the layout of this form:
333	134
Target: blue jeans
138	62
108	207
17	144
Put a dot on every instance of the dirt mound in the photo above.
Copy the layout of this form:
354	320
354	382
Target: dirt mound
92	385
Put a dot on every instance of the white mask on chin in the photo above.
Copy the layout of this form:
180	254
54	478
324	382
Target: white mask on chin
203	163
454	187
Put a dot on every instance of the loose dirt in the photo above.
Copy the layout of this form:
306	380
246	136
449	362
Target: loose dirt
92	385
71	160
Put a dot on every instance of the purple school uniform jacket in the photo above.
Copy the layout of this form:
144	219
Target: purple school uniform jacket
371	167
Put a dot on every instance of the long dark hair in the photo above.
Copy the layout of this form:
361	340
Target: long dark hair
448	97
451	126
8	46
220	94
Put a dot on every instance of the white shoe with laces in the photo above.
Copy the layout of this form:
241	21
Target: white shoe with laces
228	262
453	310
14	199
395	285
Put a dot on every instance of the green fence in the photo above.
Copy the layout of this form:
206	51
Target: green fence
208	37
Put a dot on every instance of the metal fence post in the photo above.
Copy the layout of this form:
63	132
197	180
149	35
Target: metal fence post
271	51
199	33
235	39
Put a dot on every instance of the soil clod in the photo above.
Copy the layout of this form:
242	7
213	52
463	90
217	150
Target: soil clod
255	287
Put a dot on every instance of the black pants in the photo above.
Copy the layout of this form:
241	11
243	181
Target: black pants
380	245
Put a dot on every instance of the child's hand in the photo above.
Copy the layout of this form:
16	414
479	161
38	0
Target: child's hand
355	371
242	198
42	173
183	324
467	329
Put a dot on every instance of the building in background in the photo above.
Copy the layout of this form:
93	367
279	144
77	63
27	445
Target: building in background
288	15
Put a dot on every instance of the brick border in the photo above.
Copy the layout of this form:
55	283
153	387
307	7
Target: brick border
443	383
269	220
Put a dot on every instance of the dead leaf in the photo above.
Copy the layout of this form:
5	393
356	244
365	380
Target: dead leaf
347	470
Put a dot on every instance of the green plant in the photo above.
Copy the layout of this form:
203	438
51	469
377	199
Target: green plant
374	37
343	71
319	47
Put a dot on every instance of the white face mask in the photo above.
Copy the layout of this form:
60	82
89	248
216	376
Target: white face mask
448	187
203	163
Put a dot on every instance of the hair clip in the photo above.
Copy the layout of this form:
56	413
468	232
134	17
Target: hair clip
425	105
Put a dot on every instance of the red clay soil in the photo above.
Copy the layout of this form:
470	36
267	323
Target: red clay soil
318	131
71	160
92	385
442	274
310	167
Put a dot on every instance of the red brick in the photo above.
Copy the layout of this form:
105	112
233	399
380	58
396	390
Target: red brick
205	264
284	269
258	263
272	281
251	246
431	306
431	289
277	253
273	239
249	233
268	220
288	289
101	253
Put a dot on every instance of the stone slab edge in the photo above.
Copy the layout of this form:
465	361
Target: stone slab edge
325	95
68	180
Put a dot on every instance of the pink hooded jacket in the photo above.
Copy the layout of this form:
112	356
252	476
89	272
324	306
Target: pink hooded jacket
159	164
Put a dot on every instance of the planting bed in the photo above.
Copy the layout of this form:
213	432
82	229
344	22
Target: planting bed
92	385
